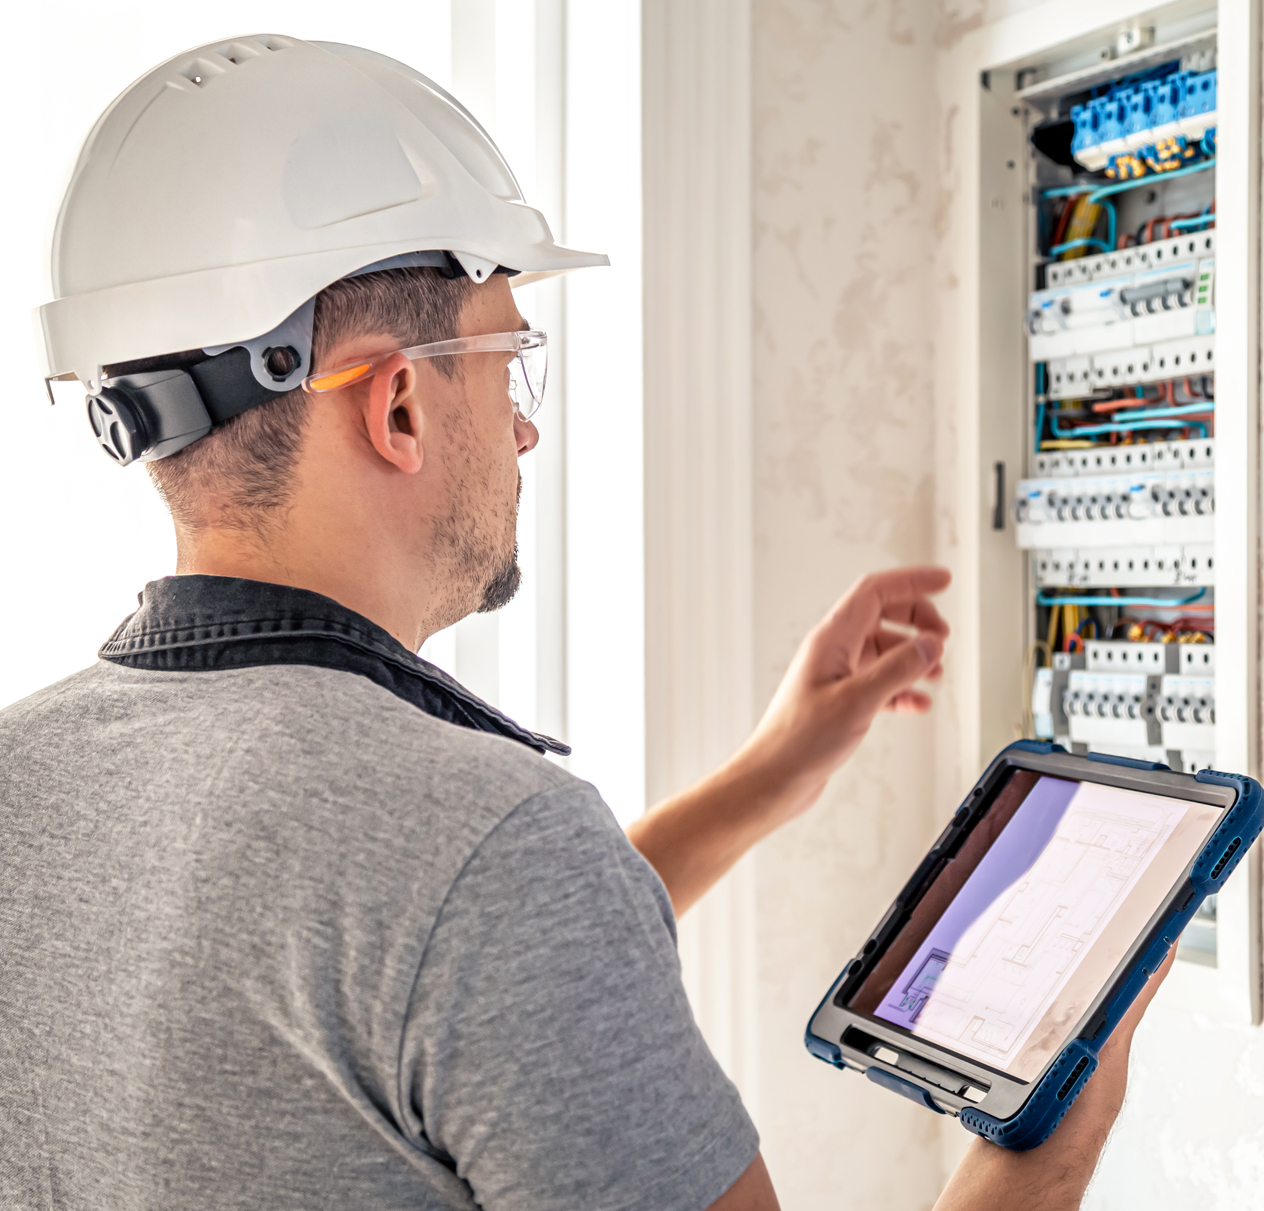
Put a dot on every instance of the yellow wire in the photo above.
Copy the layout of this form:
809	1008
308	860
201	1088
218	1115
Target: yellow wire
1082	225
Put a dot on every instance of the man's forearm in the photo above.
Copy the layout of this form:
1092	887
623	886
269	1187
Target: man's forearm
693	838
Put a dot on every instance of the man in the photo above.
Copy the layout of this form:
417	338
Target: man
292	919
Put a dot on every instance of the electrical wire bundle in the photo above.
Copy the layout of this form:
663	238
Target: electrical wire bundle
1076	230
1072	621
1176	409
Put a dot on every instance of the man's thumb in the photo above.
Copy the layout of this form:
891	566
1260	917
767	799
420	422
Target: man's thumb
898	668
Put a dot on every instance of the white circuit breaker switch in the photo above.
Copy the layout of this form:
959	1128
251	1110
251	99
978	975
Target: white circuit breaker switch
1196	659
1112	709
1073	378
1064	663
1042	704
1162	302
1187	712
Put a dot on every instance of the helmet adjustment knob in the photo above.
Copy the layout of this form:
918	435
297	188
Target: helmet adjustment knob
118	425
281	361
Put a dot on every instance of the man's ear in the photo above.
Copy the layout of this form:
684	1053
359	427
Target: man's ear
394	417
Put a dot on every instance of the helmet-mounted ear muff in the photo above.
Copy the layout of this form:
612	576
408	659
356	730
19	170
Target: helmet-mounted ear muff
151	408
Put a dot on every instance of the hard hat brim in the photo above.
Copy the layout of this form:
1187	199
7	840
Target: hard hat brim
84	332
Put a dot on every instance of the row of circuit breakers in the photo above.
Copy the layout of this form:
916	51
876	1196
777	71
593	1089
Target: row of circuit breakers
1151	700
1142	304
1135	515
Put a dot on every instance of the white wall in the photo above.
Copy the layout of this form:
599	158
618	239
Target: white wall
845	198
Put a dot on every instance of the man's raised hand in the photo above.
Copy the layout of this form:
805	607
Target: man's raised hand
865	656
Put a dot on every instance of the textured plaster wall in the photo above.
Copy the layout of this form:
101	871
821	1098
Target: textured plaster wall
844	235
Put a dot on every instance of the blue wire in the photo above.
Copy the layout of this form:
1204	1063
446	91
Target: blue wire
1156	413
1149	179
1161	603
1088	430
1040	408
1202	218
1096	193
1066	191
1110	226
1058	249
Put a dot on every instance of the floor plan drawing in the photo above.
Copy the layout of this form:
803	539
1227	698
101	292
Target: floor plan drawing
985	975
919	988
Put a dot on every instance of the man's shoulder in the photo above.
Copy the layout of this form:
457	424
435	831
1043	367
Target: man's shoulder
49	700
317	732
410	748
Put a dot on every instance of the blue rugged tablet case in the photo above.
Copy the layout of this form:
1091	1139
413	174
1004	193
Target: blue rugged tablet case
1063	1081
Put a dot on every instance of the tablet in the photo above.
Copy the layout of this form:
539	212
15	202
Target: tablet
990	985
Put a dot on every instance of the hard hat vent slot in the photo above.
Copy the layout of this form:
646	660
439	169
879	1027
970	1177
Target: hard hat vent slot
201	72
238	53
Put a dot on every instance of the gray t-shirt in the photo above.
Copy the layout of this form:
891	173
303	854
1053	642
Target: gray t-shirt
271	937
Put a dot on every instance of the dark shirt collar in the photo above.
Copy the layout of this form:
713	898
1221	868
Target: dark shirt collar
191	623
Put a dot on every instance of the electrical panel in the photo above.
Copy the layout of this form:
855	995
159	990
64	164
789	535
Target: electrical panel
1115	507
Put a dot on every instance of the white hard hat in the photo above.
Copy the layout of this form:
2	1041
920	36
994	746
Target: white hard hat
226	188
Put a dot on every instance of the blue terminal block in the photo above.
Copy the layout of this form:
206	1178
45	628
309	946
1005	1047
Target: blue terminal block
1134	117
1199	95
1165	99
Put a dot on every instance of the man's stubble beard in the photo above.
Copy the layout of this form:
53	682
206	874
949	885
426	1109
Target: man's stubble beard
500	589
484	575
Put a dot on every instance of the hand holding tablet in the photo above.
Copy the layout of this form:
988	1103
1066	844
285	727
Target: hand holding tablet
992	983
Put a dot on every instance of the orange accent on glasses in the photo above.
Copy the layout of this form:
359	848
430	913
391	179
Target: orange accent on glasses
340	378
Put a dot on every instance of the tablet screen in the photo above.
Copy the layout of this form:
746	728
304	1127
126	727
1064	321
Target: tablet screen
1021	931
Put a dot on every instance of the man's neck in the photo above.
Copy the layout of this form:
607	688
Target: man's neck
279	558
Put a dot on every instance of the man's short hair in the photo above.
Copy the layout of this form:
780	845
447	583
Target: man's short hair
247	463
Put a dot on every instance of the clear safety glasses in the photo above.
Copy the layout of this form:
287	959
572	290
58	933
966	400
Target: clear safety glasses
527	369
